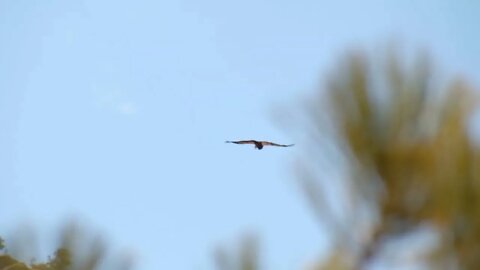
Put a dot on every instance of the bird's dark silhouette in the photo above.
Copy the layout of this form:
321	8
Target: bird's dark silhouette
260	144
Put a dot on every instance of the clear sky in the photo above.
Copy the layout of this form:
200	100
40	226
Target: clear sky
116	113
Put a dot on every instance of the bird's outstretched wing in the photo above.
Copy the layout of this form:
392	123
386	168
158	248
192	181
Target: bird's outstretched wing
242	142
276	144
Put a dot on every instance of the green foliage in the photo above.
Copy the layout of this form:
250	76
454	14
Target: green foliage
77	251
60	261
409	162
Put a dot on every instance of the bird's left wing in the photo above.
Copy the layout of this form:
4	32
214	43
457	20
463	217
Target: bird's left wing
242	142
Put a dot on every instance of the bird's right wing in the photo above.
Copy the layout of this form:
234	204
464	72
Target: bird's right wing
276	144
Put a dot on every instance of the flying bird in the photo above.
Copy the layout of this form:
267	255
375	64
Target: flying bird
260	144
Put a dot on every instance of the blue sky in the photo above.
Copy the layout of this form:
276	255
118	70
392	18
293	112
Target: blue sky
116	113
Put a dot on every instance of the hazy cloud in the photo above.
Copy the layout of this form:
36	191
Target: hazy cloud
127	107
114	100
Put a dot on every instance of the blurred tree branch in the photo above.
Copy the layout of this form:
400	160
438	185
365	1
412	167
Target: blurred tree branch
76	252
410	160
244	258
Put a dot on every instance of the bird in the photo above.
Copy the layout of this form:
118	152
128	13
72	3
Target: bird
260	144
